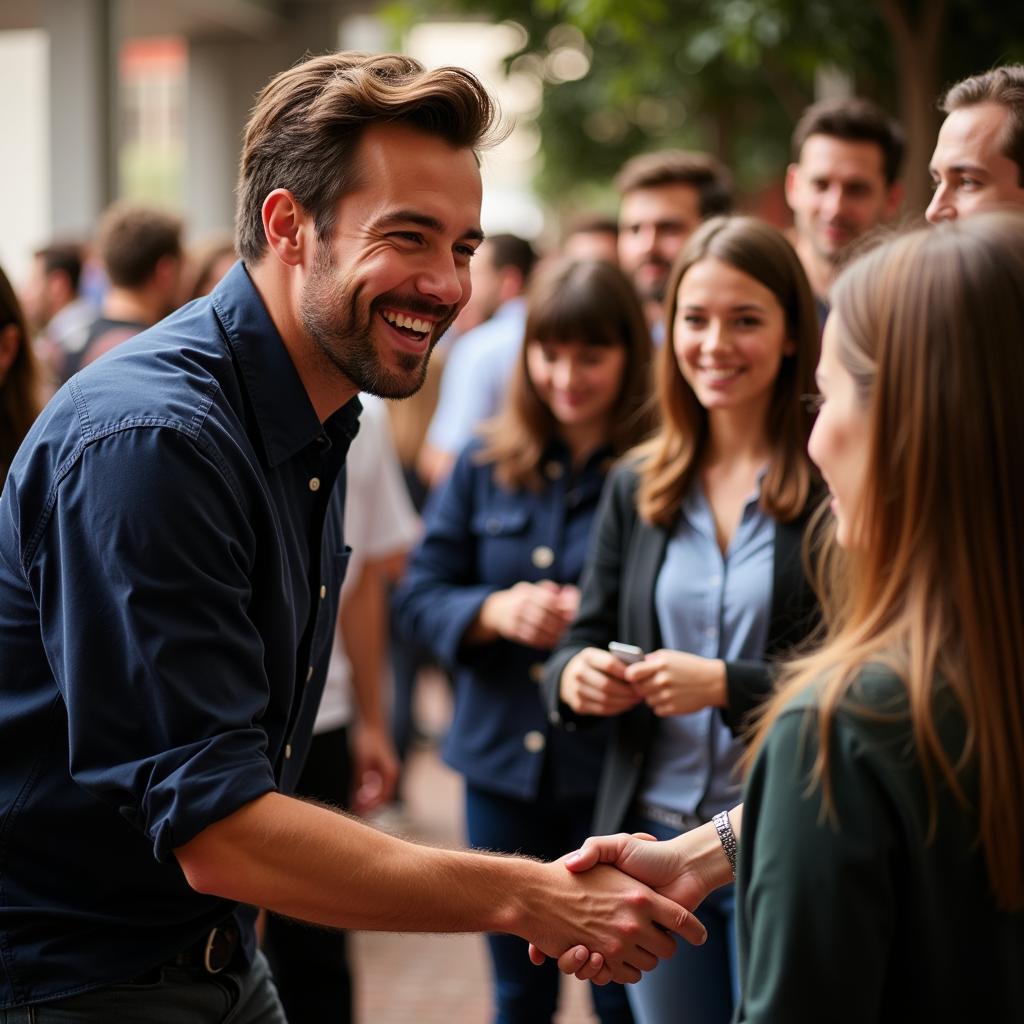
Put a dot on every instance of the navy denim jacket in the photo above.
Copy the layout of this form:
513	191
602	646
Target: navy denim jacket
481	537
170	560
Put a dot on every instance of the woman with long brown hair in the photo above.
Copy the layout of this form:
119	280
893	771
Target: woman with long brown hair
21	388
881	871
697	563
492	586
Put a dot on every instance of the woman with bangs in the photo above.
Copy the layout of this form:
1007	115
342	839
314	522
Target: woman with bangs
493	584
697	562
881	862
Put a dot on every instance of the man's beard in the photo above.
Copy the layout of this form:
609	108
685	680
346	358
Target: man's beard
653	290
343	334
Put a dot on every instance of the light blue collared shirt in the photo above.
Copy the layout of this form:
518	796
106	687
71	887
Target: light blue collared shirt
717	607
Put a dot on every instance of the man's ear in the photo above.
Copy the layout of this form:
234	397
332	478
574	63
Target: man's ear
287	226
10	342
791	184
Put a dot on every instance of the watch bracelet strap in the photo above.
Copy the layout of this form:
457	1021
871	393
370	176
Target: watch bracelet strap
726	836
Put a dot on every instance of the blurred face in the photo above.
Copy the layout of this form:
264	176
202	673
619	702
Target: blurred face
654	224
969	169
837	192
839	441
729	337
384	288
578	382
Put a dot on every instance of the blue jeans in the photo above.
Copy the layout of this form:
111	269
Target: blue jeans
700	984
544	828
171	995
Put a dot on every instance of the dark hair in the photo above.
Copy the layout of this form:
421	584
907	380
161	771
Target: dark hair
132	239
506	250
711	180
308	121
21	389
592	223
853	120
577	301
64	258
670	462
202	262
1004	86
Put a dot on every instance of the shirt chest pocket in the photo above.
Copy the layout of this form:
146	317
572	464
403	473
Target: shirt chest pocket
503	538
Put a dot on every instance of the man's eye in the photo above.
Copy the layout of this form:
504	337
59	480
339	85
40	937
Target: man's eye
408	236
466	250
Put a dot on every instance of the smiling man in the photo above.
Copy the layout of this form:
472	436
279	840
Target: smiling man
843	182
979	156
170	559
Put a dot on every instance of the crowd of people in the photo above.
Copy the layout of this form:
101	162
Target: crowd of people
718	546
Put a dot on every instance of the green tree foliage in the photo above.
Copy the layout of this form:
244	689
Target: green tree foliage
729	76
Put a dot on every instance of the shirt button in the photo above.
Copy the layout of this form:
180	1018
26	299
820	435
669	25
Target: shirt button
323	592
554	717
287	751
542	557
314	483
309	673
493	526
554	470
534	741
537	671
715	580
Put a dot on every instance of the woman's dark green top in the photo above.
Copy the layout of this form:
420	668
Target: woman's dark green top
864	918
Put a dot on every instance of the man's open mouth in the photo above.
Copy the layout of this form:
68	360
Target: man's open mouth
411	327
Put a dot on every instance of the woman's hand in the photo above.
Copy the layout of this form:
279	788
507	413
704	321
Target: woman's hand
534	614
677	683
594	683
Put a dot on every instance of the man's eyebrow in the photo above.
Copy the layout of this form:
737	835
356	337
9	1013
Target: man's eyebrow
972	169
424	220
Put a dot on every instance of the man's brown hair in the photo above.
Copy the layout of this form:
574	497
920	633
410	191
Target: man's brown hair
853	120
1004	86
132	239
308	121
700	171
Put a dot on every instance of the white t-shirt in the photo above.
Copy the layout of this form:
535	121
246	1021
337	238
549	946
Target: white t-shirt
379	521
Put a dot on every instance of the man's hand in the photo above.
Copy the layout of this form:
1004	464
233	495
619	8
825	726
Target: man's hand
606	910
534	614
594	682
678	683
375	768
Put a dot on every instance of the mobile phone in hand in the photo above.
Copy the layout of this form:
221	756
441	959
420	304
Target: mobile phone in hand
628	654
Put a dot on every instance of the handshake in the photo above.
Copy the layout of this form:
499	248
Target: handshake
620	929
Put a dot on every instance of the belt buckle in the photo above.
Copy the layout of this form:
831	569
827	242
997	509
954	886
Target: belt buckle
218	950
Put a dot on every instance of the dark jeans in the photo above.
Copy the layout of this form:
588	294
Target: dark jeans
310	964
545	828
170	995
700	984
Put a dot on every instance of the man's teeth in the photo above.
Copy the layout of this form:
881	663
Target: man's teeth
410	323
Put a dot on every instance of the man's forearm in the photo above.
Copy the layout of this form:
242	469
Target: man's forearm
307	862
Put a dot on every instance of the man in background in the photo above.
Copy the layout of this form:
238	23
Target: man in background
843	183
140	248
979	156
478	367
664	196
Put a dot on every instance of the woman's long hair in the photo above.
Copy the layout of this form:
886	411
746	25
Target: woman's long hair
930	327
583	301
21	388
669	463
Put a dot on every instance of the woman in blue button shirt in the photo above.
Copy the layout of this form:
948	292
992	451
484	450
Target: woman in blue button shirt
492	586
697	561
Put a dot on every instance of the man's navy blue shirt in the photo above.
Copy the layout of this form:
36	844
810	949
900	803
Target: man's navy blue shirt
170	559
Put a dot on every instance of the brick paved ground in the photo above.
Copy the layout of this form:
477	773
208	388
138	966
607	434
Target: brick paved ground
435	979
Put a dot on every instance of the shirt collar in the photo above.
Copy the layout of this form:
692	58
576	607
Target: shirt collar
285	415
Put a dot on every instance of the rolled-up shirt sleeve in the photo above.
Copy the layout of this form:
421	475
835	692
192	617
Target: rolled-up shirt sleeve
144	594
